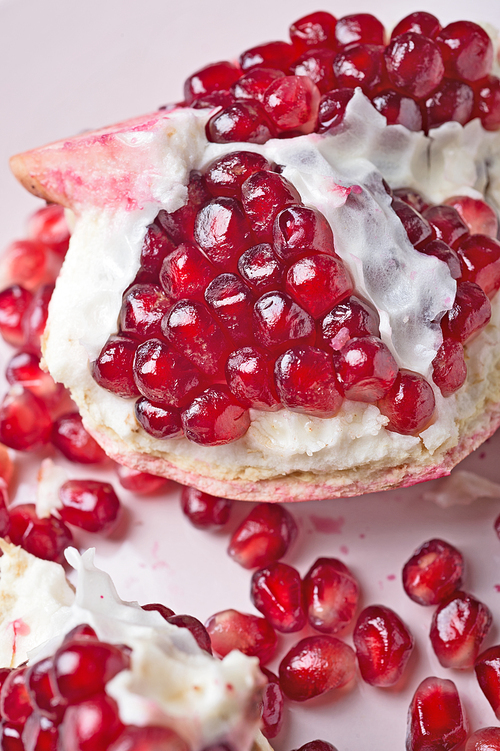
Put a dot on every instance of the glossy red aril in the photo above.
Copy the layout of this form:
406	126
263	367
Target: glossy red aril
398	109
315	30
222	231
276	591
383	645
315	665
91	725
185	273
48	225
451	101
449	369
160	421
214	77
149	738
280	322
447	224
42	689
359	27
458	628
143	307
420	22
264	194
40	733
272	705
331	595
10	736
73	441
291	104
89	504
270	55
409	404
416	227
480	261
332	109
412	197
436	720
82	632
215	417
179	225
14	304
467	50
318	282
359	65
366	369
25	421
470	313
240	121
226	175
15	703
113	368
163	375
253	85
263	537
302	230
349	319
24	369
317	64
317	745
479	217
231	300
193	330
306	382
251	634
155	248
141	483
488	102
250	377
433	573
260	268
35	318
485	739
487	667
441	250
30	263
82	668
45	538
414	64
203	510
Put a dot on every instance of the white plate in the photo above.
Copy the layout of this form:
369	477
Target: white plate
73	66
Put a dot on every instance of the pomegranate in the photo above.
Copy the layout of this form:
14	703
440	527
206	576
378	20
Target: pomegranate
436	718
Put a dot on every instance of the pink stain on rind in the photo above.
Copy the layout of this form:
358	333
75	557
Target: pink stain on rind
327	524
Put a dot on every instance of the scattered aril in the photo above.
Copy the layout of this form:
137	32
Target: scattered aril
487	668
251	634
25	421
436	718
317	745
263	537
203	510
24	369
433	573
45	538
485	739
14	303
272	705
315	665
458	628
331	595
276	591
89	504
383	645
140	483
74	442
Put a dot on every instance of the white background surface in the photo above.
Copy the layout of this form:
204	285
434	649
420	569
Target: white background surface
68	66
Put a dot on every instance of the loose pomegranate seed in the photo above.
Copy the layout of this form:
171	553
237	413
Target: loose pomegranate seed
91	725
15	703
383	645
14	304
365	368
332	108
10	737
113	368
89	504
279	322
417	228
138	482
242	121
263	537
271	55
441	250
82	668
359	27
449	370
272	705
306	382
253	85
487	667
315	665
193	330
458	628
409	404
331	595
150	738
260	268
158	420
4	520
196	628
226	175
313	31
48	226
45	538
179	225
359	65
143	307
414	64
318	282
214	77
251	634
452	101
470	313
317	745
25	421
264	194
419	22
155	249
276	591
291	104
250	377
467	50
318	66
42	689
349	319
485	739
488	103
436	720
24	369
479	217
185	273
398	109
72	440
300	230
30	264
413	198
203	510
164	376
447	224
161	609
222	231
40	733
231	300
215	417
35	318
480	257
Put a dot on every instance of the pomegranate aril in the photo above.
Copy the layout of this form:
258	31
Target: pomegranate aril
318	282
179	225
449	369
487	668
250	377
149	738
467	50
82	632
4	528
412	197
264	194
185	273
263	537
226	175
447	224
82	668
458	628
156	246
359	65
417	228
203	510
24	369
214	77
222	231
420	22
300	230
485	739
451	101
409	404
366	369
14	304
215	417
193	330
143	308
49	226
6	467
164	376
160	421
315	665
488	103
436	720
15	705
260	268
196	628
279	322
441	250
10	736
278	55
414	64
398	109
89	504
479	216
272	705
73	441
253	85
349	319
359	27
159	608
25	421
42	689
40	734
35	318
306	382
480	261
30	264
316	30
231	301
291	103
317	745
113	368
45	538
251	634
470	313
332	108
91	725
331	595
141	483
383	645
245	120
317	64
276	591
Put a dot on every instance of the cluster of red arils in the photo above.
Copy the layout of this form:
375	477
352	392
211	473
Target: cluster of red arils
242	302
325	600
425	76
